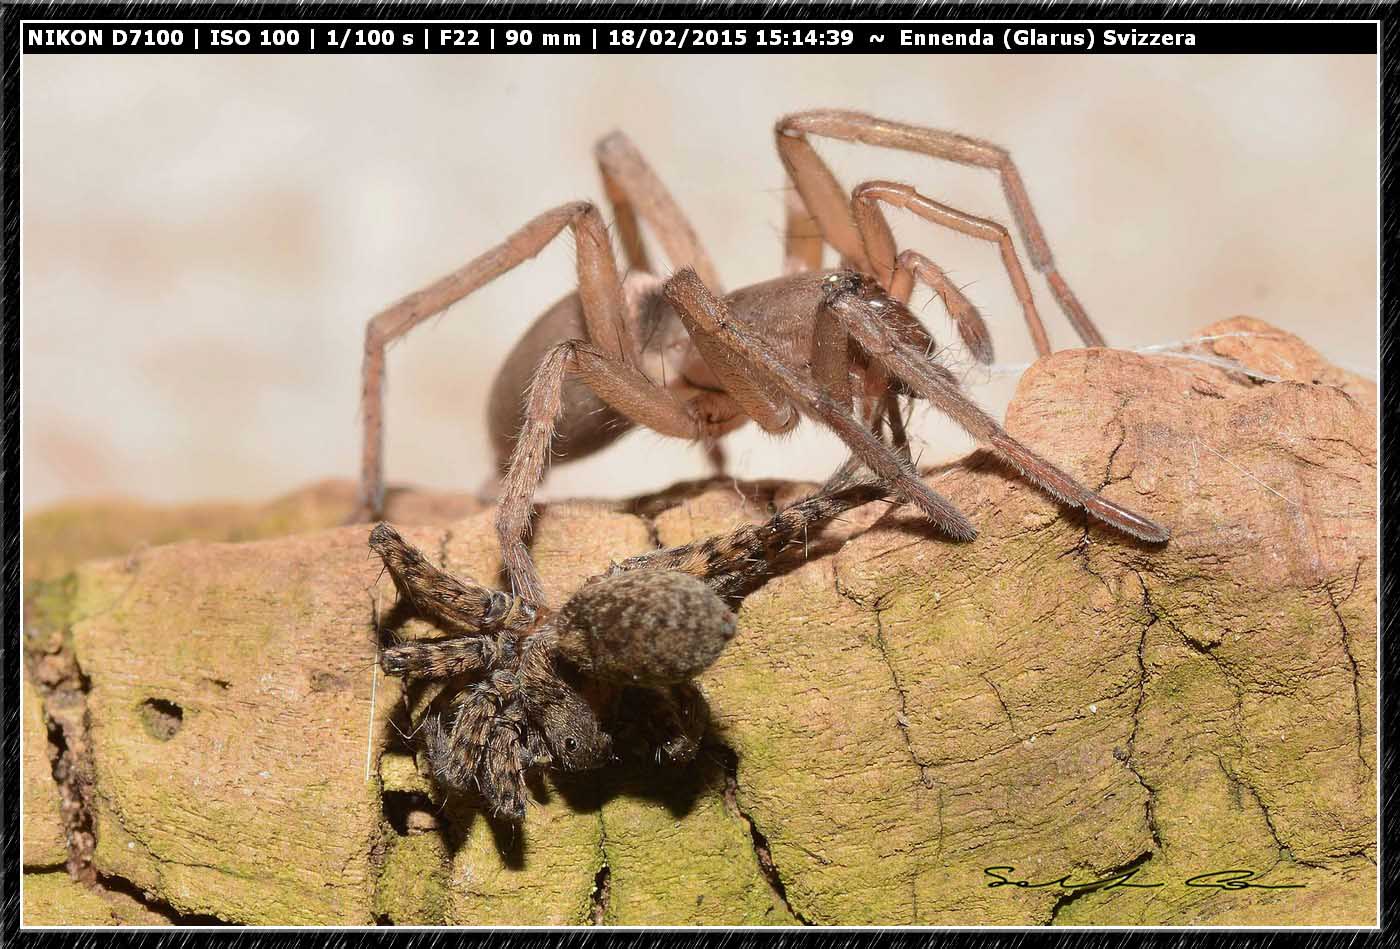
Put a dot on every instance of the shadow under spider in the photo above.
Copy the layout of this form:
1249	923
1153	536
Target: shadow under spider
394	620
676	788
649	506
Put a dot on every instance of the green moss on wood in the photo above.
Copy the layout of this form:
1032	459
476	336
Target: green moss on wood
904	712
413	883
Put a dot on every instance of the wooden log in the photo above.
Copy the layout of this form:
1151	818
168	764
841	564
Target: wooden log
896	715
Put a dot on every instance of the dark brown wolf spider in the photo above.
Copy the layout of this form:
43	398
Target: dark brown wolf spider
609	672
684	358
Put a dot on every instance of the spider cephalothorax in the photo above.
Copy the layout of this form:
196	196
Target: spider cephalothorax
608	675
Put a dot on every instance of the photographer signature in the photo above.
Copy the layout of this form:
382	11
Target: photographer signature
1214	880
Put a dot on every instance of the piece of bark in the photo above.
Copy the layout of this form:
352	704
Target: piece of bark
57	538
53	898
44	841
896	714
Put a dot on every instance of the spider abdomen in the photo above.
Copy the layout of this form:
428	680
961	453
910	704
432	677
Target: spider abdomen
645	627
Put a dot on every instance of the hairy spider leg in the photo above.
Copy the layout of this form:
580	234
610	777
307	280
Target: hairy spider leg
477	742
706	314
802	239
879	243
449	603
891	414
632	187
617	383
438	595
599	288
728	560
865	310
911	265
436	659
827	203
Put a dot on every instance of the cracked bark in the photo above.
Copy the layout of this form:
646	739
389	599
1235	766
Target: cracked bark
902	716
763	855
1151	816
1174	707
1284	853
53	669
1356	686
62	690
1010	719
602	882
1126	871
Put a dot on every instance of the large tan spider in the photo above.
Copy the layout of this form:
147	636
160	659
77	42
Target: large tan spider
684	358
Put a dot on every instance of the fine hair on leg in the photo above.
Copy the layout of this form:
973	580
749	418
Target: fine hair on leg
826	199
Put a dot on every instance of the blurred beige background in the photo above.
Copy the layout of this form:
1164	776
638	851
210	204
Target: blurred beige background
204	238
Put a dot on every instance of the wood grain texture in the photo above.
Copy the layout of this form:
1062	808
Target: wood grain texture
896	714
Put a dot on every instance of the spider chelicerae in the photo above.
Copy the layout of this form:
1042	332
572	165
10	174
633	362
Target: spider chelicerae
608	675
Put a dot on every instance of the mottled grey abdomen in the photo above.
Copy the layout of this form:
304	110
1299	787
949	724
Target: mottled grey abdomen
646	627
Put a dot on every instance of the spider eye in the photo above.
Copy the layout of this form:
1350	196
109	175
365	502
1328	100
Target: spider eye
570	744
